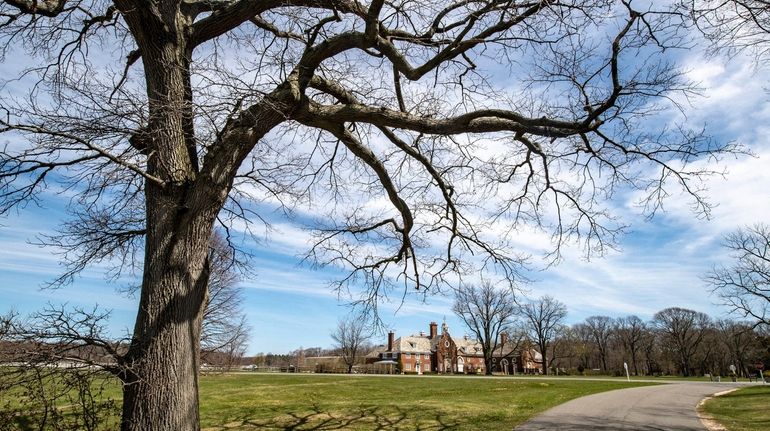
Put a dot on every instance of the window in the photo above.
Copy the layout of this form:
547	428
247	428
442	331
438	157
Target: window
408	355
408	367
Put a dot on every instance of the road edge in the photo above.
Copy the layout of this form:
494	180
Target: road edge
707	420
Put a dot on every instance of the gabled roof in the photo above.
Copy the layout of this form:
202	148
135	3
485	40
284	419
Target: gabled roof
412	344
507	350
375	353
534	355
468	346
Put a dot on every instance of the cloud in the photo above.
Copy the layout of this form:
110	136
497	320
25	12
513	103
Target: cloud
734	103
638	281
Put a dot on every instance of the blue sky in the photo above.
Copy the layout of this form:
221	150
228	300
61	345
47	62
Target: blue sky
659	263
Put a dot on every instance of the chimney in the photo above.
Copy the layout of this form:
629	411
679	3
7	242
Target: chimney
503	339
390	341
433	330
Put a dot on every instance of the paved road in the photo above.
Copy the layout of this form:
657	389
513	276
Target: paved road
661	407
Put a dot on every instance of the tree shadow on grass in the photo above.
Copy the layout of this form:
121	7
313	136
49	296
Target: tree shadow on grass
17	422
370	418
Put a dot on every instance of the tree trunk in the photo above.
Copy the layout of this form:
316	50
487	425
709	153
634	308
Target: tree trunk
161	380
161	390
740	365
162	387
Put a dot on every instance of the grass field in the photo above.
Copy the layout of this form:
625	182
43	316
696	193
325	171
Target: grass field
390	403
247	401
747	409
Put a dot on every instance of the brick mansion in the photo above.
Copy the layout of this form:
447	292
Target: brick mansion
443	353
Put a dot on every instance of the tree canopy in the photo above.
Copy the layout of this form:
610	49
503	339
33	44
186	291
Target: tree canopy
418	137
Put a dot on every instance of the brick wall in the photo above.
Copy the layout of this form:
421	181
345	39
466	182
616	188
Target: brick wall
410	361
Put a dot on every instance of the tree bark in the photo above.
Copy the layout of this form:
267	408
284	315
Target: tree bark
165	346
166	343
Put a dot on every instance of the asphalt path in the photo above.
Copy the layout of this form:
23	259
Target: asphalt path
660	407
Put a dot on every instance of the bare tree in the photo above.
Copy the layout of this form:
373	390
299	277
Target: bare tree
740	341
544	317
62	365
351	336
583	348
683	331
561	347
630	331
601	330
326	103
224	332
734	25
651	349
745	285
487	311
515	335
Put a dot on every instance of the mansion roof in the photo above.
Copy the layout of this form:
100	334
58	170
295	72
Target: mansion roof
412	344
425	344
468	346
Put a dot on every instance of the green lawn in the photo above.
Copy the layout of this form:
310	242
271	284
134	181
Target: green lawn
250	401
258	401
747	409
